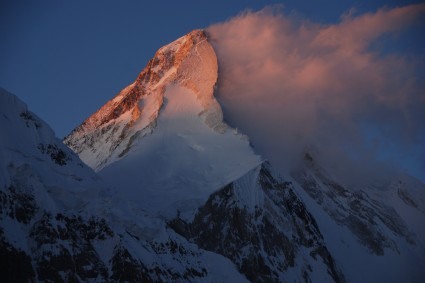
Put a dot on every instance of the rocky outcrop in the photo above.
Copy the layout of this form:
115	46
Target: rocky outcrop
270	235
355	210
65	248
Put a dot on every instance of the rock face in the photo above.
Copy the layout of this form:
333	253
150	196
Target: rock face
261	224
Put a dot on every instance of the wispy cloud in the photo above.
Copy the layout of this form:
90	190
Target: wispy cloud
291	84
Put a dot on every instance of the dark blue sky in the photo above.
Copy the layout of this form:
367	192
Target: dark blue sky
65	59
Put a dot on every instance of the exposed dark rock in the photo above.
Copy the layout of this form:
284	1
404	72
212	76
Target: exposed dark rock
15	265
404	196
62	250
127	269
63	247
17	205
263	243
56	154
29	119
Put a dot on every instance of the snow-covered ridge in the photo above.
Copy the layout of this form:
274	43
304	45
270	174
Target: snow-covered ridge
28	142
108	134
60	223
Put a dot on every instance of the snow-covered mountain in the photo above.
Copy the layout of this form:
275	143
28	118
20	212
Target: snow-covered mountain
179	81
181	196
176	150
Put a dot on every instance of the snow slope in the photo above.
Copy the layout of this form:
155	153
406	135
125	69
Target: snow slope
28	148
375	234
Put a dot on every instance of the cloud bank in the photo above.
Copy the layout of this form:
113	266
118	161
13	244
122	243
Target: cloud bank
292	84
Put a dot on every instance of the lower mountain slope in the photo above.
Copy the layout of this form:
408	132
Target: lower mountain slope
375	233
261	224
60	223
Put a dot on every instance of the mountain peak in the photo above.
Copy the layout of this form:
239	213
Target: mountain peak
189	62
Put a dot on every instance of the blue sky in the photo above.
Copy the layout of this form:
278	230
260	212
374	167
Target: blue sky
65	59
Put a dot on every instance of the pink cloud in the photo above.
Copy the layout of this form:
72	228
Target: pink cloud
354	34
293	84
